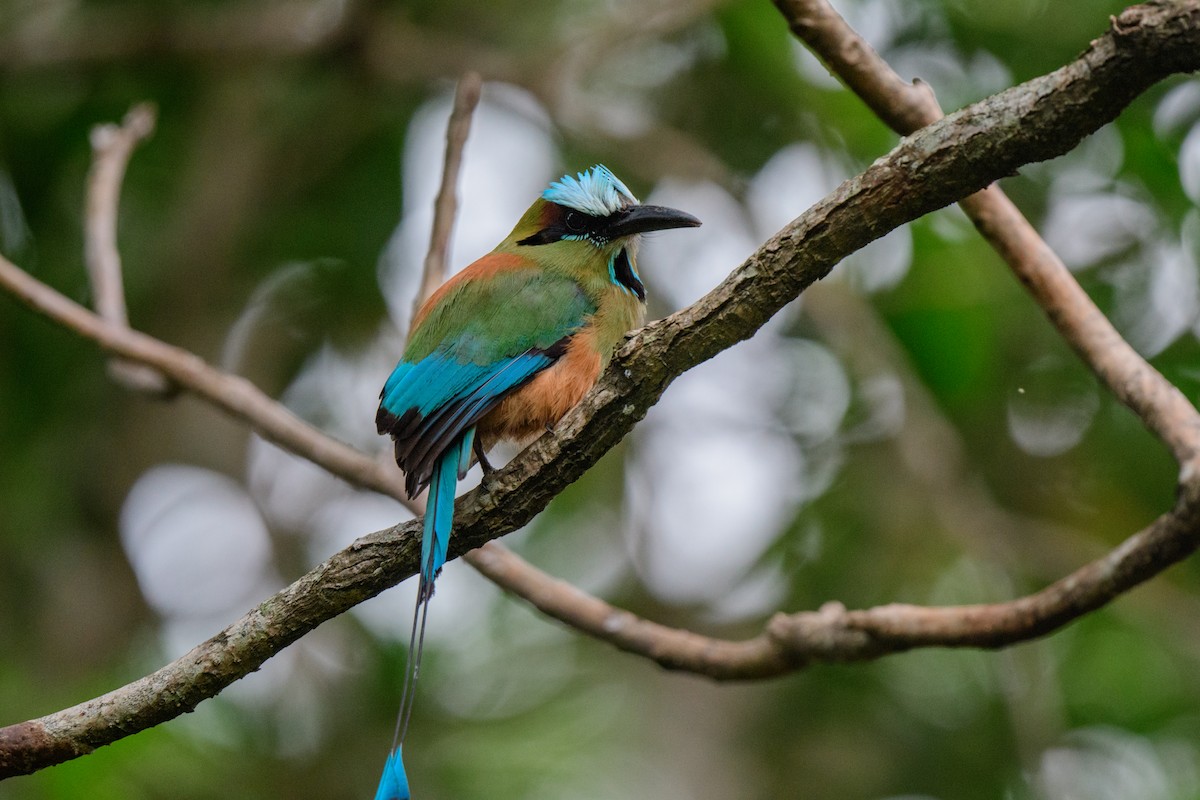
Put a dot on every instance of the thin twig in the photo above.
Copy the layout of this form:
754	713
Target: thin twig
946	161
112	145
445	206
674	648
906	107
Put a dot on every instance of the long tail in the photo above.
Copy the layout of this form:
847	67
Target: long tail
435	540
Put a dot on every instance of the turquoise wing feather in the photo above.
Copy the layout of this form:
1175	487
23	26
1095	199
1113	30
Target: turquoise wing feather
485	338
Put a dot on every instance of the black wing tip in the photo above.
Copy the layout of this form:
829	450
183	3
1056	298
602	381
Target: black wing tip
420	439
402	428
385	421
415	477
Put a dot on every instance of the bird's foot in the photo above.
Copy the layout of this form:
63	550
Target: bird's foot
481	457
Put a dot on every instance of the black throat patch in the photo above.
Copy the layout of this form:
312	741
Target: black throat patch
623	274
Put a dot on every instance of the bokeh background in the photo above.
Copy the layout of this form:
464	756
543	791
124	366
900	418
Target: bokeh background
911	430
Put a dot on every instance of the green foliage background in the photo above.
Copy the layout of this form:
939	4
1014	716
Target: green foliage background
268	156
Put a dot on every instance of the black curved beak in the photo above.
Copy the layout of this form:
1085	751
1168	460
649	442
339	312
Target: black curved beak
640	219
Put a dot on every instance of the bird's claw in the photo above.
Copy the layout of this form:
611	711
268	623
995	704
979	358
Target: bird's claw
484	464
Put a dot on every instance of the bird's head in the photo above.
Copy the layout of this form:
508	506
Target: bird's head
592	218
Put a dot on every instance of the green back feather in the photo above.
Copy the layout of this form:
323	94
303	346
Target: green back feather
501	315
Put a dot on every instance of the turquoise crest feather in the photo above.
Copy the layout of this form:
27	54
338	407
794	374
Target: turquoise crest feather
596	191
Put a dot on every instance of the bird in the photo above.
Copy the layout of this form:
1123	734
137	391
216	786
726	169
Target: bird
501	351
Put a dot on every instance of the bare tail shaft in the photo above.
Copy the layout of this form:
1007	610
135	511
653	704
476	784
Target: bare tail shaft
439	518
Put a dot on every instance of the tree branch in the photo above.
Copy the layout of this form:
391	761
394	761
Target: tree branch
234	395
445	206
674	648
943	162
112	145
834	634
907	107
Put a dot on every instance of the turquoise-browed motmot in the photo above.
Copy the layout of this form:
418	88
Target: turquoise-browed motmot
502	350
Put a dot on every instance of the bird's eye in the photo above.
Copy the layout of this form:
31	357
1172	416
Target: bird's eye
575	222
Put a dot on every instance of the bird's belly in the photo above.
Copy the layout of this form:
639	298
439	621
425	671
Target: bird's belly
541	403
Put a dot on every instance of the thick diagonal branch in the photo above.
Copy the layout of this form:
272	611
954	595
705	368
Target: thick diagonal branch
938	165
